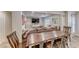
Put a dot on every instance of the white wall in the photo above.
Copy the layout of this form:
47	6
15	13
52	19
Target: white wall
8	23
62	21
5	28
77	23
17	23
2	26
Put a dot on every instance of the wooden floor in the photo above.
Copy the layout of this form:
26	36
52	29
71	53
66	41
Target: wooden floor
74	43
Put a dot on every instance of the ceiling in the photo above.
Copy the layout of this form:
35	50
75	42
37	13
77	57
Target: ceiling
42	13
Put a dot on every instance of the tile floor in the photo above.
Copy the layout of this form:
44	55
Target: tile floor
75	42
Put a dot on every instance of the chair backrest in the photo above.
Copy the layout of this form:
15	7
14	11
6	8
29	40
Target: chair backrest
13	40
24	39
67	29
57	28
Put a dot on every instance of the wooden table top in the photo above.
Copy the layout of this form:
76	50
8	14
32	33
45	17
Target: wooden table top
36	38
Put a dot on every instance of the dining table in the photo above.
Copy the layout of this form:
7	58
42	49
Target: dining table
35	37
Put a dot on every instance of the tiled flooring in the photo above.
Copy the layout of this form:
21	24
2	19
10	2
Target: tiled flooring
75	42
5	45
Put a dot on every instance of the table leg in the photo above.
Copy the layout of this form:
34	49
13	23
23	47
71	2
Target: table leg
52	41
41	44
30	46
62	42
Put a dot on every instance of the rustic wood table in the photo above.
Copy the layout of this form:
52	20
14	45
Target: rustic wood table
35	38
